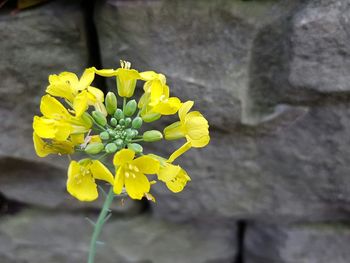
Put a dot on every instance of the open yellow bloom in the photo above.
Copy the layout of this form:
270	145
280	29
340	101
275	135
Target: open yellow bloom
156	100
77	91
130	173
192	126
81	178
126	78
174	177
57	123
44	148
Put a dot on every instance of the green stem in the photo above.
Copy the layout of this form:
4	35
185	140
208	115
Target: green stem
124	104
99	224
137	140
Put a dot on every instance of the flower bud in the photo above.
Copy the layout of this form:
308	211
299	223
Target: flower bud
119	114
151	117
122	122
104	135
86	117
129	133
111	103
99	118
137	148
127	121
111	147
130	108
94	148
119	142
152	136
114	121
136	123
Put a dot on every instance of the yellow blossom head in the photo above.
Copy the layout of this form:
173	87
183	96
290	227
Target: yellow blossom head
130	173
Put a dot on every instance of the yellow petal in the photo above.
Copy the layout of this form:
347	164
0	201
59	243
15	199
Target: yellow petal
174	131
106	72
123	157
119	181
59	88
101	172
146	164
199	143
97	93
185	108
168	107
39	146
196	125
52	108
95	138
137	185
51	129
69	77
178	183
77	138
82	187
80	103
86	79
184	148
168	172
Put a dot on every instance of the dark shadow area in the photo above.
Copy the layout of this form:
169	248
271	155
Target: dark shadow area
91	36
241	228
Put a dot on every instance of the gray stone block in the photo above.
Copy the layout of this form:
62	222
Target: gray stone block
36	237
303	243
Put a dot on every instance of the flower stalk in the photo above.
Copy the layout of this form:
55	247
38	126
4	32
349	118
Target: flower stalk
102	219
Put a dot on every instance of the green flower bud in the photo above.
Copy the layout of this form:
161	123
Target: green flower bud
136	123
111	103
111	147
99	118
152	136
118	126
127	121
119	114
94	148
137	148
112	133
114	122
151	117
87	118
104	135
129	133
135	132
119	142
130	108
122	122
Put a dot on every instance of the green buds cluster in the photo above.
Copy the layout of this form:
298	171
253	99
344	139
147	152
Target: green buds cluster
120	128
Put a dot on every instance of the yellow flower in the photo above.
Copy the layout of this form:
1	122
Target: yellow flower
81	178
156	100
192	126
57	123
174	177
130	173
77	91
126	78
43	148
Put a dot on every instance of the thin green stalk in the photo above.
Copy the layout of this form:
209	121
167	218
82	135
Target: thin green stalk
99	224
137	140
124	104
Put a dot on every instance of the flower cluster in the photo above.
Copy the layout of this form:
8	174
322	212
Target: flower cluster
77	117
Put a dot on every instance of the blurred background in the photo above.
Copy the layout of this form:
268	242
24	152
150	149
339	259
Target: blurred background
271	77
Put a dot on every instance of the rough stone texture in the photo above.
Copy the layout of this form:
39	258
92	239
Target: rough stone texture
319	243
320	51
44	185
279	166
44	40
36	237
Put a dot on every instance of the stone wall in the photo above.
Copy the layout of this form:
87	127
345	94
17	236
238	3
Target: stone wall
272	78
